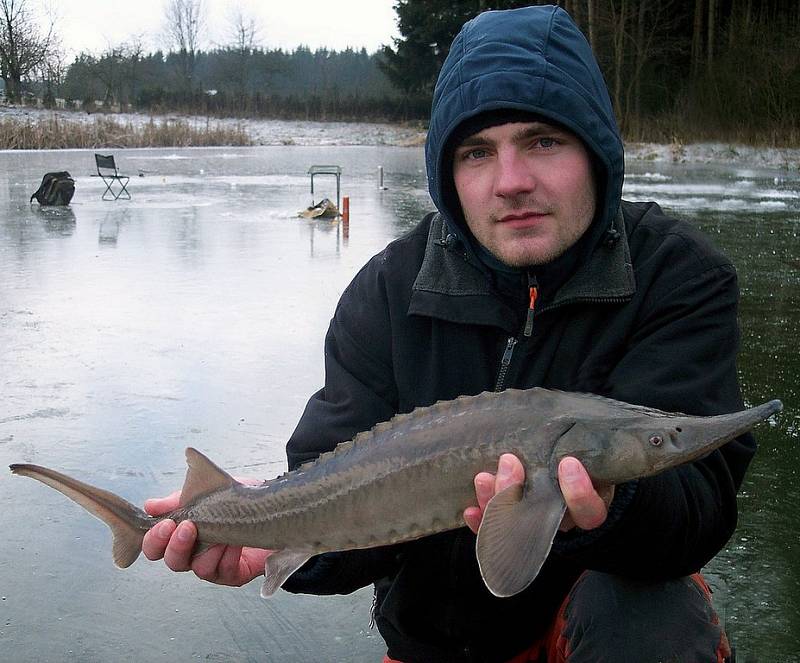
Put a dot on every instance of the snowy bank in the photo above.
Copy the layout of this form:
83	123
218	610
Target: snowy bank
311	133
727	153
262	132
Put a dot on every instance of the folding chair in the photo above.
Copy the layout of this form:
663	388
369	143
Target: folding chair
107	170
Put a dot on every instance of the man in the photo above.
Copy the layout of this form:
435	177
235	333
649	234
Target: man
532	273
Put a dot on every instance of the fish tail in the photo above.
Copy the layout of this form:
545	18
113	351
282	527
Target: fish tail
128	523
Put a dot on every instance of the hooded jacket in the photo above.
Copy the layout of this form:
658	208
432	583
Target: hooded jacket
534	60
646	315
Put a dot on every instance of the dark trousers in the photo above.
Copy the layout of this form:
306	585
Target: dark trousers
608	619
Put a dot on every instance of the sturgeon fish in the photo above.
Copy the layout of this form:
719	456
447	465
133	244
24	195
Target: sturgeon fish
413	476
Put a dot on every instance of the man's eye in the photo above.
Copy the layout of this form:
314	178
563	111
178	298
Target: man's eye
477	153
547	141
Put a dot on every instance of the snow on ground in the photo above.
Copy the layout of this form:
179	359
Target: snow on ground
746	155
263	132
286	132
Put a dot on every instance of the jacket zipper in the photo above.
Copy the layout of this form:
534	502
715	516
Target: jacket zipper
505	362
511	343
533	293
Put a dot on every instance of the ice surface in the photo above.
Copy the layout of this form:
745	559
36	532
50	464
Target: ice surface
704	187
194	314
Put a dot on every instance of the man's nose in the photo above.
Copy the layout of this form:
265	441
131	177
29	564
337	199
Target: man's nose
514	174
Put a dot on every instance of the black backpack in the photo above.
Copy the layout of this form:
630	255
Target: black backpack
55	189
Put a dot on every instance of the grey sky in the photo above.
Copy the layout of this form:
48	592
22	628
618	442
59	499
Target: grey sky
96	25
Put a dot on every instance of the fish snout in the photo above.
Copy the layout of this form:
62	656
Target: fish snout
690	438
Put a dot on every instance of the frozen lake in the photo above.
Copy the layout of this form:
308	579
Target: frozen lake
194	314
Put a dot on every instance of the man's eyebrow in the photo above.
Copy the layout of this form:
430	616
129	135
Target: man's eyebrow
474	140
536	129
533	129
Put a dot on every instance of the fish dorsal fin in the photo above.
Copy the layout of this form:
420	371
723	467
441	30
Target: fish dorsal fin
202	477
517	532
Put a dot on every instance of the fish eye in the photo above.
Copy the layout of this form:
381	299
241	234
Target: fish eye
656	440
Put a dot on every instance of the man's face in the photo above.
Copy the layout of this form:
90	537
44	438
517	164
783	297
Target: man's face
526	190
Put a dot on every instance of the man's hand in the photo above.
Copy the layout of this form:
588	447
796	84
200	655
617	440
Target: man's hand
220	564
586	507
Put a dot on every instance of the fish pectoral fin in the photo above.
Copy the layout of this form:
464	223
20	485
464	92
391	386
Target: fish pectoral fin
517	532
202	477
279	566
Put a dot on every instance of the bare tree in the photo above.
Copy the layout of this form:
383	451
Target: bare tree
655	21
697	36
591	22
109	70
712	25
244	31
185	21
116	70
619	16
52	71
243	38
24	45
135	52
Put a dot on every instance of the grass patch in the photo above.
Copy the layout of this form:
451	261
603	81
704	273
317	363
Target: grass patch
680	128
55	132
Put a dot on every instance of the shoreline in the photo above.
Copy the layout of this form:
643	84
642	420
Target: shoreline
315	133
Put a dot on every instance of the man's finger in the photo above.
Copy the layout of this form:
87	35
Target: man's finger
472	518
484	488
586	508
228	569
178	555
158	506
509	472
206	565
156	540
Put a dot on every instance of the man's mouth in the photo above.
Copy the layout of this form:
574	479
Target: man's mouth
522	219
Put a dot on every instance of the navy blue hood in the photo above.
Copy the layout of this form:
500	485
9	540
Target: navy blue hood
535	60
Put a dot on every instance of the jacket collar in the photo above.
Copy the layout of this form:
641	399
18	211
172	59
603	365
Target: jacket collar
450	286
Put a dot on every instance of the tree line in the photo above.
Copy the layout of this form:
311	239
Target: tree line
239	77
301	84
676	69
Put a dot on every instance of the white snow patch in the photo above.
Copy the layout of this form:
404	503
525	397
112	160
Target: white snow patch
165	157
263	132
650	177
787	158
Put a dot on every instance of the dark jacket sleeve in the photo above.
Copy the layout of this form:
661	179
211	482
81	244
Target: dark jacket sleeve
359	392
682	357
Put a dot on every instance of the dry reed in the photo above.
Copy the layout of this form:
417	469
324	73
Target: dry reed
56	132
